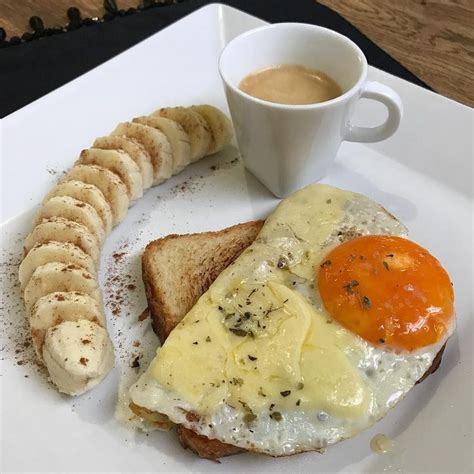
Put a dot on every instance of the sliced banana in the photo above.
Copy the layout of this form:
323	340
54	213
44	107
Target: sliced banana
178	138
64	252
57	276
136	151
109	184
63	230
156	144
73	210
219	125
86	193
193	124
54	308
119	163
78	355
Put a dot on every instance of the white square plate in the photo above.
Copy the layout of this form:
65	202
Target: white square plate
423	175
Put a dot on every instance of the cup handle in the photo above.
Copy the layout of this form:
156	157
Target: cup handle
387	96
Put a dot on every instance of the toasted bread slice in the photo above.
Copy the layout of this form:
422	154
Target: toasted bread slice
177	270
205	447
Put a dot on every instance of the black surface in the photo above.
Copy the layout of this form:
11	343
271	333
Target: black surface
30	70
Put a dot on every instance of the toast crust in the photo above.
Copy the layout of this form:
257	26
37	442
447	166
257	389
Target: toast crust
205	447
177	270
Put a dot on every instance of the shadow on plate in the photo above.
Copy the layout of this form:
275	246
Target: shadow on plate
340	175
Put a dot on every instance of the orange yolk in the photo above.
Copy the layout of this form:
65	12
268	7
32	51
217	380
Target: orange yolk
388	290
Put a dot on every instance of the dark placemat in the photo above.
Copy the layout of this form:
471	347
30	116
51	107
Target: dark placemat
30	70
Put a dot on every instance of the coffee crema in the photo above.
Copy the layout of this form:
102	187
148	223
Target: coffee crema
290	84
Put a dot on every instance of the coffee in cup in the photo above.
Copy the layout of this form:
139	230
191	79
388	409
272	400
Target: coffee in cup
291	84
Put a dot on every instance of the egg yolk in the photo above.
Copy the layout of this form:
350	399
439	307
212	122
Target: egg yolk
388	290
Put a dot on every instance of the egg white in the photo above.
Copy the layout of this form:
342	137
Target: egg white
388	375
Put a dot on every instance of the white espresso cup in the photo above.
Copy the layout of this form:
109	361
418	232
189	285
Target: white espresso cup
289	146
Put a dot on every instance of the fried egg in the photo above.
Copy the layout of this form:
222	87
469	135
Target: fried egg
319	328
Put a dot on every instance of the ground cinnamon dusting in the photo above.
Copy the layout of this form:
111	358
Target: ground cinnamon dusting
121	289
15	336
118	283
122	292
186	187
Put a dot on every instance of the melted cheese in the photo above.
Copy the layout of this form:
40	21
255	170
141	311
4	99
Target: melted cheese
297	360
252	341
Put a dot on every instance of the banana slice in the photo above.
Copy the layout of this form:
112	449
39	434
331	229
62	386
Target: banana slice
136	151
193	124
155	143
119	163
57	276
73	210
78	355
63	252
62	230
54	308
86	193
219	125
109	184
178	138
